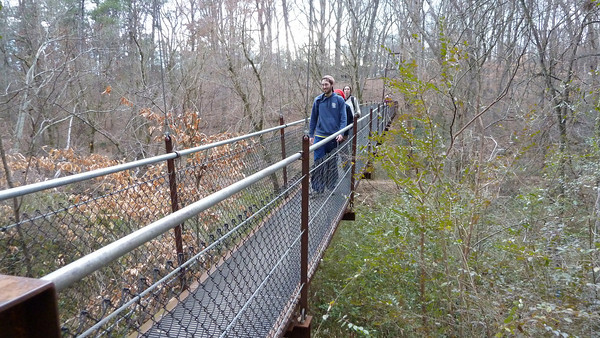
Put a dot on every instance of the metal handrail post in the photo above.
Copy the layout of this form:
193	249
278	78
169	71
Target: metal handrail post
387	115
282	134
174	200
370	131
366	174
379	119
304	227
349	215
383	116
353	178
380	122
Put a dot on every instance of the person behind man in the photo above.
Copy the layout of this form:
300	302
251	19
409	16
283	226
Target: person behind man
328	116
352	100
349	113
345	151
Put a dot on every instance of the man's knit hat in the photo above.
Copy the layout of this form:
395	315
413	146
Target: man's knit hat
340	93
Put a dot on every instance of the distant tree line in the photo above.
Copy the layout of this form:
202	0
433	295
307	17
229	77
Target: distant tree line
79	73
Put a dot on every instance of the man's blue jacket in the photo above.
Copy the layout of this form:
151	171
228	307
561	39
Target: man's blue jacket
328	115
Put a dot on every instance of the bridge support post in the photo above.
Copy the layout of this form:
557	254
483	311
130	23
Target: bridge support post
282	135
392	106
349	215
304	227
388	115
300	325
28	308
300	329
369	167
175	207
380	120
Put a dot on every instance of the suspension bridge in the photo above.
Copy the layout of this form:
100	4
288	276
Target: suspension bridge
220	240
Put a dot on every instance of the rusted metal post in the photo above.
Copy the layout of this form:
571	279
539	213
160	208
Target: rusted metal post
300	328
282	134
304	227
371	131
391	115
387	116
175	204
367	171
379	120
349	215
353	177
370	121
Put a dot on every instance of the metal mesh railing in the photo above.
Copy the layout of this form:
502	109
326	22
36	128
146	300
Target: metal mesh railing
69	221
229	253
252	275
231	268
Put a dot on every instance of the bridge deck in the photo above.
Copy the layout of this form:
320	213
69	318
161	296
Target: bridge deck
244	295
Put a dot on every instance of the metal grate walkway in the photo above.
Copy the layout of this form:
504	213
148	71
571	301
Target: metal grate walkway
267	273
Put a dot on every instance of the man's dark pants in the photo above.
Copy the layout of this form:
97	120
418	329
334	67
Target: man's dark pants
325	174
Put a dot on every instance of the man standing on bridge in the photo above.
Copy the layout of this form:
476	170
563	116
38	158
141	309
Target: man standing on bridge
328	116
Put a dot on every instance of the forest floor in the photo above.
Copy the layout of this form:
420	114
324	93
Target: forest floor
369	190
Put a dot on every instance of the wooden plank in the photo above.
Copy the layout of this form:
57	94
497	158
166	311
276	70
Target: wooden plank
28	308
